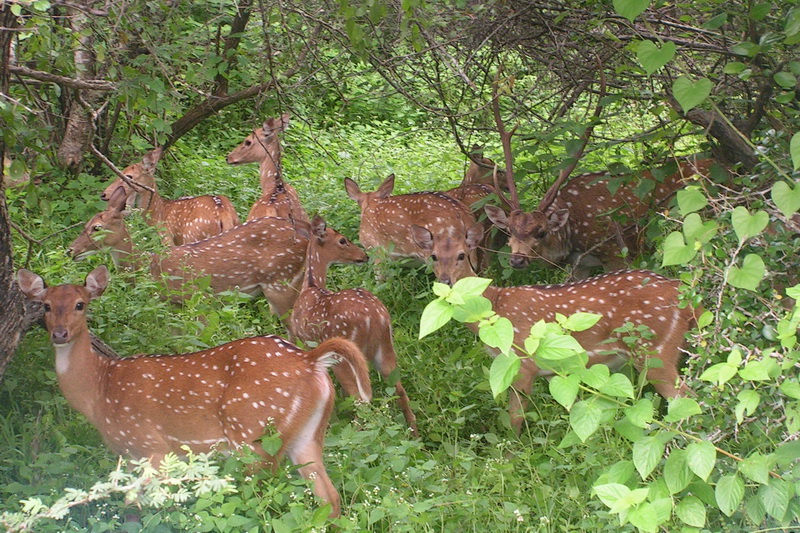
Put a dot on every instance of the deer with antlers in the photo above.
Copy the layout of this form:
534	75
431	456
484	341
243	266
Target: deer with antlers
263	146
637	296
107	230
386	220
355	314
147	406
178	221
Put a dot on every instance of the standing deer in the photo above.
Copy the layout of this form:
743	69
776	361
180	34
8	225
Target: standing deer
278	199
178	221
576	224
386	220
147	406
107	230
481	170
266	254
355	314
637	296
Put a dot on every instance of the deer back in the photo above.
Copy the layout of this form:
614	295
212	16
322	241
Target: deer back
264	255
281	201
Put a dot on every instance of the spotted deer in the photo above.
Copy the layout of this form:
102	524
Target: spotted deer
481	170
178	221
265	255
107	230
355	314
226	397
636	296
386	220
263	146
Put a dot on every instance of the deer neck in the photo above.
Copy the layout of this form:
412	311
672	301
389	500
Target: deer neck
316	275
122	253
80	371
558	244
270	168
153	204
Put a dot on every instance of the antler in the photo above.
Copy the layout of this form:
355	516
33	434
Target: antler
552	192
505	141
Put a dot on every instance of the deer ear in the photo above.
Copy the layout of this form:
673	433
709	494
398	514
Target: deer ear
318	226
117	201
386	187
151	159
474	236
285	121
557	219
97	281
353	191
422	237
31	285
497	216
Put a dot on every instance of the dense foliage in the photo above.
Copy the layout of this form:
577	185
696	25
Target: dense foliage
387	87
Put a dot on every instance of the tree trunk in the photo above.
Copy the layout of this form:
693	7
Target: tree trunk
12	309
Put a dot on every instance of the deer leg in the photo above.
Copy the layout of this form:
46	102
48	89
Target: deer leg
518	398
309	454
386	362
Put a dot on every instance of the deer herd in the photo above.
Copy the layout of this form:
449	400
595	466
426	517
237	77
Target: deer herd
230	395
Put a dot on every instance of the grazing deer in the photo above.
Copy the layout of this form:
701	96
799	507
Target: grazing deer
278	199
355	314
576	224
386	220
147	406
637	296
266	254
107	230
178	221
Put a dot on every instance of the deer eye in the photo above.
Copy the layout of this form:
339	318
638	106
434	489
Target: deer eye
80	306
247	143
461	256
541	235
342	241
433	257
46	308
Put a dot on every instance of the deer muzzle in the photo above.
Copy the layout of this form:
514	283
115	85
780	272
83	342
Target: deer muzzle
519	261
59	335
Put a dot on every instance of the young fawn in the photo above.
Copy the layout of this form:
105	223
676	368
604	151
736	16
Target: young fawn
263	146
226	396
637	296
355	314
179	221
107	230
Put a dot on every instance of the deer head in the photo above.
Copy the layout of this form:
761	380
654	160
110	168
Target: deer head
105	230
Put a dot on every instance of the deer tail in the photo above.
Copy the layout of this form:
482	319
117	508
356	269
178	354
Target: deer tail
342	351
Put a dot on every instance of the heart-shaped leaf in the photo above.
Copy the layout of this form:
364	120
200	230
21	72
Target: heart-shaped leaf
794	150
786	198
630	9
750	275
696	230
652	57
676	252
691	94
746	225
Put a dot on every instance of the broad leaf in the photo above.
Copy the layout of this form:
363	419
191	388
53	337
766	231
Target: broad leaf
696	230
640	414
756	467
794	150
681	408
729	493
676	471
746	225
691	94
498	334
775	496
584	418
581	321
691	199
435	315
791	388
503	372
691	511
676	252
748	403
652	57
644	517
701	456
474	309
647	452
750	275
564	389
618	385
630	9
472	286
787	198
556	347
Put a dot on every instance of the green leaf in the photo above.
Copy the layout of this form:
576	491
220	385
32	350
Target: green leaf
581	321
472	286
786	198
652	57
691	199
499	334
756	467
647	452
564	389
435	315
630	9
702	456
729	493
611	493
681	408
644	518
595	376
791	388
760	370
696	230
557	347
787	80
748	402
746	225
750	275
734	67
641	413
691	511
676	252
691	94
441	290
618	385
775	496
503	372
676	471
584	418
473	309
